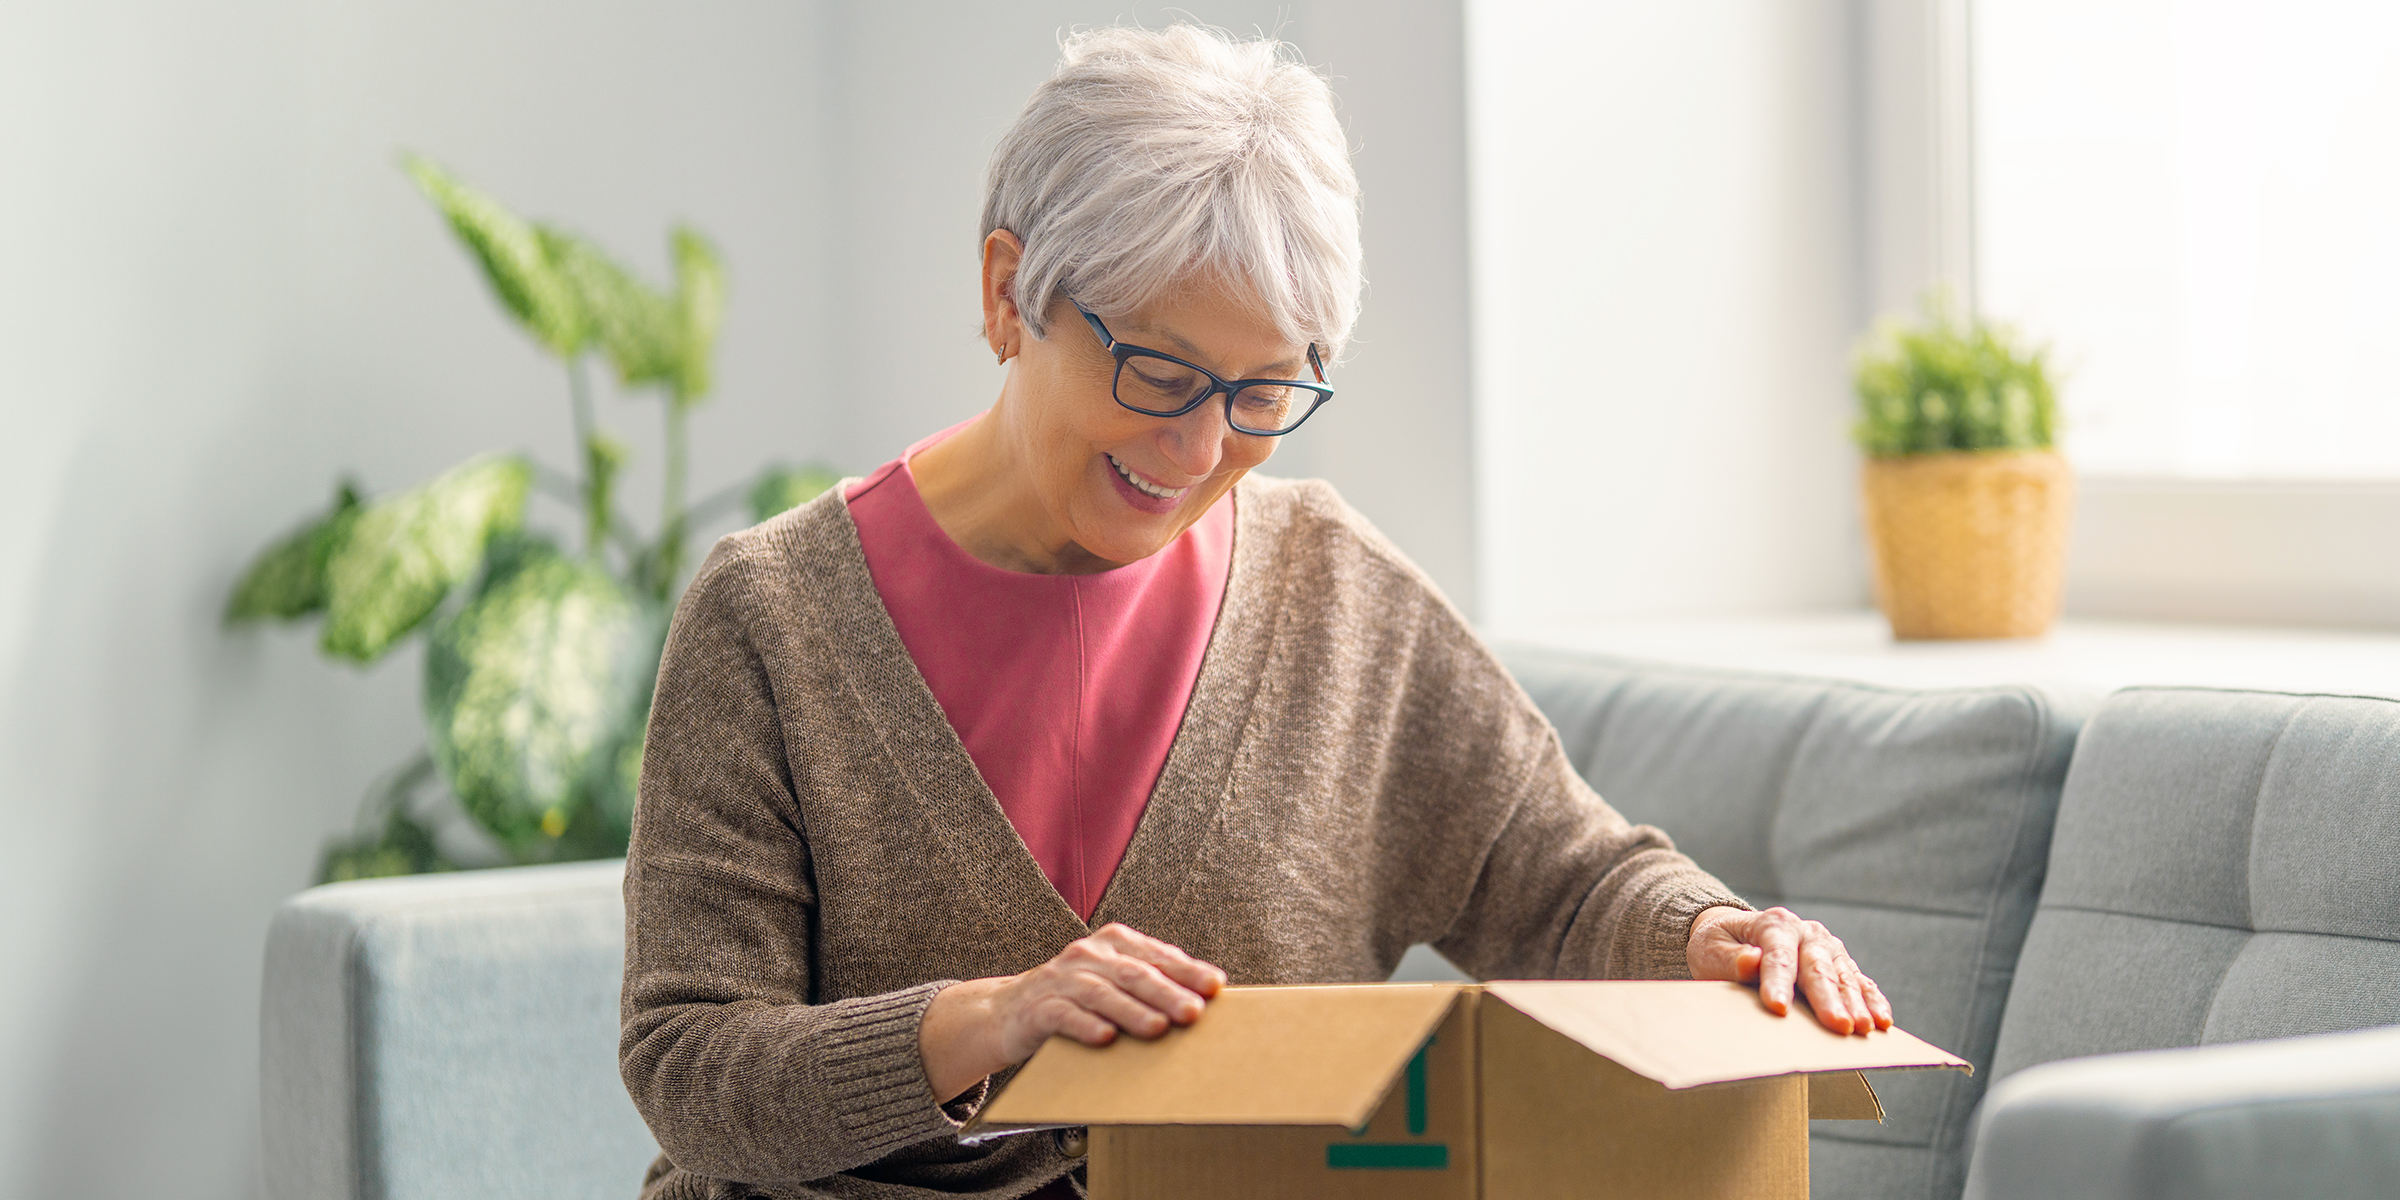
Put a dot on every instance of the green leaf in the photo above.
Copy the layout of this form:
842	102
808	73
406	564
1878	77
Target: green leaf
533	690
636	326
517	258
405	553
1950	384
700	309
780	488
404	846
287	579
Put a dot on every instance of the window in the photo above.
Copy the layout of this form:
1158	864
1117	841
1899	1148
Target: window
2198	203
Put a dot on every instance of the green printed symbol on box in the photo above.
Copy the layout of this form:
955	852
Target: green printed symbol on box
1395	1156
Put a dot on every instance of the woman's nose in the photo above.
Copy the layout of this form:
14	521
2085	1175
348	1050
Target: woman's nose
1195	441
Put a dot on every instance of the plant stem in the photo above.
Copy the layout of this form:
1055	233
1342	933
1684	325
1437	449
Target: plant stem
596	472
673	515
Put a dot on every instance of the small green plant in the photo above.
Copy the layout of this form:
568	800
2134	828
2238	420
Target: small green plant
1944	384
539	660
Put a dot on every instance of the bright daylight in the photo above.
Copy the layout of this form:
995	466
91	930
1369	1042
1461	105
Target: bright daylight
1304	599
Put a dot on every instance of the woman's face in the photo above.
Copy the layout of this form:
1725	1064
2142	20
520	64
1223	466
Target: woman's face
1116	483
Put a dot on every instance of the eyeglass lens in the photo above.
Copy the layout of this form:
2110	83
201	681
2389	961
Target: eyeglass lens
1162	386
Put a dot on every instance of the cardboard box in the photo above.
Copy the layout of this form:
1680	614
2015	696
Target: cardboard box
1507	1091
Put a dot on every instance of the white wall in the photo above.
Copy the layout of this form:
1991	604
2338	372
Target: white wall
1667	282
1398	440
217	292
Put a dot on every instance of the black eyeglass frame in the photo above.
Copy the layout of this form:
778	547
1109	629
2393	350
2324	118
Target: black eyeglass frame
1216	384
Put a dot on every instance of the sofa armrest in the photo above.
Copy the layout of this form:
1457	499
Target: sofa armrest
449	1037
2308	1116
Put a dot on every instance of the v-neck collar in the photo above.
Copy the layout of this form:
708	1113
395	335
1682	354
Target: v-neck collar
961	813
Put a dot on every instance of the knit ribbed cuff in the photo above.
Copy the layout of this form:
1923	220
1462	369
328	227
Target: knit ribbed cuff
874	1071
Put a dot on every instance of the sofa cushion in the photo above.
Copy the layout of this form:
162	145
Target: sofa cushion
449	1036
1914	823
2226	867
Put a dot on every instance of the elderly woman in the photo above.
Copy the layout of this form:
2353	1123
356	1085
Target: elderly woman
1063	720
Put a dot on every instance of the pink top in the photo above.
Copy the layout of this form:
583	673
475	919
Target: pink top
1066	689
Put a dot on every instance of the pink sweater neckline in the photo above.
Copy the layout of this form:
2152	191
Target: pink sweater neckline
1067	690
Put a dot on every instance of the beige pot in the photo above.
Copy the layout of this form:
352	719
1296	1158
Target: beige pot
1970	544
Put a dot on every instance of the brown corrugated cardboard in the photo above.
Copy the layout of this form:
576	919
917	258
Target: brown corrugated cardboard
1259	1056
1562	1123
1685	1034
1456	1092
1420	1144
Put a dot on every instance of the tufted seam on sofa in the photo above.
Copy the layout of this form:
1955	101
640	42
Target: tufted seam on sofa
1877	905
1950	1126
2137	916
2258	797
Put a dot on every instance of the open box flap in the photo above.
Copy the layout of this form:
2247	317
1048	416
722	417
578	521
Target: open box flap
1842	1096
1257	1056
1684	1034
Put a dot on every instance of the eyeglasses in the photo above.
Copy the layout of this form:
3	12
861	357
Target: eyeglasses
1162	385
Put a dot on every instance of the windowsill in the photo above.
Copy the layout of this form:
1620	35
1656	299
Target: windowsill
2082	655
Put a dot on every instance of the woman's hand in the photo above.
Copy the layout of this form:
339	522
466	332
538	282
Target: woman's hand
1116	979
1776	949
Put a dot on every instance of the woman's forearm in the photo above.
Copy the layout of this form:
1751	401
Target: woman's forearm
956	1037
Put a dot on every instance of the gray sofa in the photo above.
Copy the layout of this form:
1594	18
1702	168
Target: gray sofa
2033	888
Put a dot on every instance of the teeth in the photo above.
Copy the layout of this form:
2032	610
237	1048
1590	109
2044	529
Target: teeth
1142	485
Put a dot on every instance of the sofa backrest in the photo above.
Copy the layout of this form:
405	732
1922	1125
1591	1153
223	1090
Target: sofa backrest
449	1036
2226	867
1914	823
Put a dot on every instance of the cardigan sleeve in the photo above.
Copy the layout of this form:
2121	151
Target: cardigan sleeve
1511	865
738	1074
1571	890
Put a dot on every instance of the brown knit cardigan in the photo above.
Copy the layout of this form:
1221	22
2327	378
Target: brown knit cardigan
815	854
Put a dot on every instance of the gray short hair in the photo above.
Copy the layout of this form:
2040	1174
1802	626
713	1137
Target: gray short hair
1154	155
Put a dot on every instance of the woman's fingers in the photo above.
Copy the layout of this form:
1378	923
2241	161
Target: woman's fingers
1150	986
1135	977
1787	955
1821	982
1200	978
1120	1007
1854	1000
1854	992
1746	963
1776	932
1130	981
1086	1026
1876	1002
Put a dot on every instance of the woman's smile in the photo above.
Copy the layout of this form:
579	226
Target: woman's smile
1148	494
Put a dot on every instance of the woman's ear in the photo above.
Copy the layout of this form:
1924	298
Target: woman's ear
1003	325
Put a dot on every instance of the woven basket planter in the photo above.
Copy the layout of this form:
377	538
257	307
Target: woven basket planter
1969	545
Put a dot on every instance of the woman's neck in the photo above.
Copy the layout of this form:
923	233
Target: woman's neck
980	491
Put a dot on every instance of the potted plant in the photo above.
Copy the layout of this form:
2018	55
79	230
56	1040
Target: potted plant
1967	500
540	656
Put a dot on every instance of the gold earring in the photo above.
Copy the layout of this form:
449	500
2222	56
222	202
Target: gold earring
1003	357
